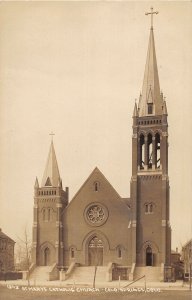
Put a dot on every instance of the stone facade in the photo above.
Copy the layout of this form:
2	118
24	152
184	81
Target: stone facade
98	227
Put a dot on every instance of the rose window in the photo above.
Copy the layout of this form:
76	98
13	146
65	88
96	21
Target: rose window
95	214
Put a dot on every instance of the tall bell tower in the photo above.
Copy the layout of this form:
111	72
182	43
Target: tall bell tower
151	232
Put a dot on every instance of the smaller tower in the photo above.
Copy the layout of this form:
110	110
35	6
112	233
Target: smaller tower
49	202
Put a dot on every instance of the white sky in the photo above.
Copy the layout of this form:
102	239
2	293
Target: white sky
75	68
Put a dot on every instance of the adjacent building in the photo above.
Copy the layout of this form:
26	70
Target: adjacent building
6	253
186	257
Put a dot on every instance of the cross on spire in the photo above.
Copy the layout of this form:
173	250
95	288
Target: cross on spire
151	13
52	135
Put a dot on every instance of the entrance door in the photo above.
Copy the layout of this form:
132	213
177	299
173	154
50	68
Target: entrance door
95	252
46	256
149	256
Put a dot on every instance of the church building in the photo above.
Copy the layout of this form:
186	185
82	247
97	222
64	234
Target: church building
126	237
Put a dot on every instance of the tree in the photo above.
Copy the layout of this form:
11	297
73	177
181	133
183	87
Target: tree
23	253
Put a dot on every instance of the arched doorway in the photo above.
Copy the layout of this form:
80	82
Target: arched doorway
149	256
95	252
46	256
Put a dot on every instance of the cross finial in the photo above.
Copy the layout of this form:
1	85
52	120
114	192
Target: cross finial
52	134
151	13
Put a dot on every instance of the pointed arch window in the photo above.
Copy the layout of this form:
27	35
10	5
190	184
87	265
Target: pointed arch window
142	152
157	151
149	151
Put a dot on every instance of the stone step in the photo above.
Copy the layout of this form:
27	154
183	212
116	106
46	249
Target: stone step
151	273
40	273
86	274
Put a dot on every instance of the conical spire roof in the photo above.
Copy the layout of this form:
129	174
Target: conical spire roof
151	89
135	111
51	175
164	108
36	183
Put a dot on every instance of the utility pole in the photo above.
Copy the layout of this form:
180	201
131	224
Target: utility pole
190	264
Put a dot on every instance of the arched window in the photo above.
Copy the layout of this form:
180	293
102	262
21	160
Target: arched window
157	150
149	151
96	186
142	151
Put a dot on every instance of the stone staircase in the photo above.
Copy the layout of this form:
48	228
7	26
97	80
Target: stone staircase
40	273
86	275
152	273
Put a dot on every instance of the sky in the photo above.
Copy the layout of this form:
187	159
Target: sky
75	69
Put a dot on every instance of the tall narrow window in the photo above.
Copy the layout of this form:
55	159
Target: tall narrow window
72	253
157	151
49	214
119	253
150	151
142	151
150	108
96	186
150	208
44	214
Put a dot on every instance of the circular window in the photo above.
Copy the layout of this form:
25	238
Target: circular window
96	214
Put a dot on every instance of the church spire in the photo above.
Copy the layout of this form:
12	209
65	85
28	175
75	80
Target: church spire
51	175
151	101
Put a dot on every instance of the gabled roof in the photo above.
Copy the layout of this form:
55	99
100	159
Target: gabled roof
187	243
151	89
51	175
4	236
96	170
